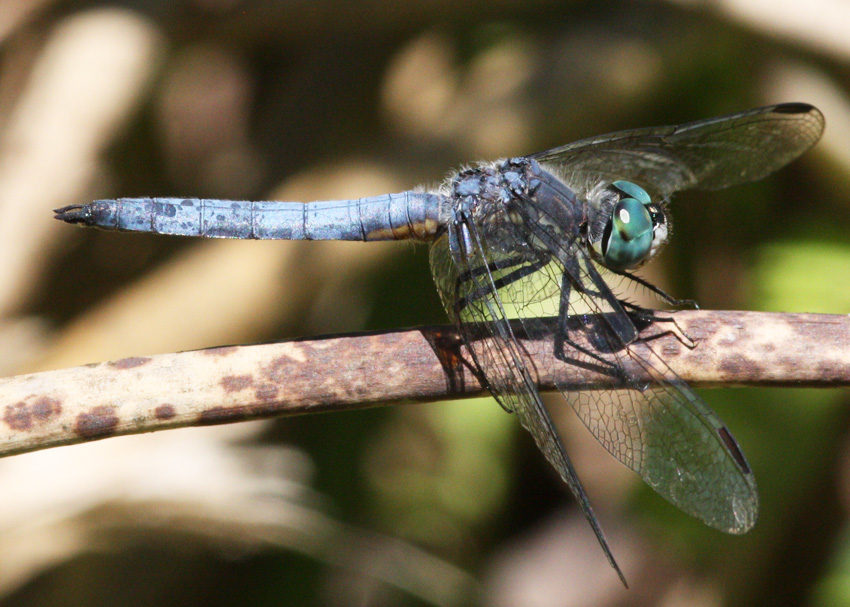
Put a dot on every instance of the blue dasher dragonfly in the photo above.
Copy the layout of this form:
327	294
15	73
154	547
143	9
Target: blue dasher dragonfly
554	234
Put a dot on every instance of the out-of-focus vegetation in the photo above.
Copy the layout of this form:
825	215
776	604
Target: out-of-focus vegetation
444	504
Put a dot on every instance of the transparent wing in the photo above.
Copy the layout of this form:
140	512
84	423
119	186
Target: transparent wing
707	154
658	426
654	423
467	274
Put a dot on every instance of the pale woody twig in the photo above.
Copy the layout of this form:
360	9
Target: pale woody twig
229	384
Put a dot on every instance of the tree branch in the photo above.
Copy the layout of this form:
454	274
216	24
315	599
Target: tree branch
230	384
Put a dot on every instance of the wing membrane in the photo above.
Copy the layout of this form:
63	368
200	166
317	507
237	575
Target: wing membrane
657	427
707	154
461	262
528	260
660	428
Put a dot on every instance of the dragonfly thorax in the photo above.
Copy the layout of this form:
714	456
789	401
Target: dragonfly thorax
493	197
628	228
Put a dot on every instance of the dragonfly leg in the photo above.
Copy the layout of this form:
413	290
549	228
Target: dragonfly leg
604	366
562	338
669	299
646	316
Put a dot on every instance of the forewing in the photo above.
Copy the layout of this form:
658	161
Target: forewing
654	423
466	286
467	271
707	154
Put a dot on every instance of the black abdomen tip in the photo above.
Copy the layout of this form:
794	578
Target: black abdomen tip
74	213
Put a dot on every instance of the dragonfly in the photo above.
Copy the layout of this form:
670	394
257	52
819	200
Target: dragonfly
553	235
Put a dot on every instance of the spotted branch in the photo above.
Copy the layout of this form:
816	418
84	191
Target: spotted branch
231	384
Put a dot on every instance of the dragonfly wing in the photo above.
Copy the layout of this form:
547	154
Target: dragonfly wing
467	272
688	454
707	154
654	423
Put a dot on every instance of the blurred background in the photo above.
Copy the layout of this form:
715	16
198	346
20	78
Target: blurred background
444	504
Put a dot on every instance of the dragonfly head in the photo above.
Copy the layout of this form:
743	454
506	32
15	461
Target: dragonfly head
631	228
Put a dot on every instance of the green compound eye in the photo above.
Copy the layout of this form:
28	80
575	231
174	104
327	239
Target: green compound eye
633	190
630	234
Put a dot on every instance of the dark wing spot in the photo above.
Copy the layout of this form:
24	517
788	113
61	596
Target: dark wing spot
793	108
734	449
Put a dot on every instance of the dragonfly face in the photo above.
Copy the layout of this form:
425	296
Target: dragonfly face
629	228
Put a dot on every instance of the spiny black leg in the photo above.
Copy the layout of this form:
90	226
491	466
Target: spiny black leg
647	316
605	366
562	336
644	314
659	292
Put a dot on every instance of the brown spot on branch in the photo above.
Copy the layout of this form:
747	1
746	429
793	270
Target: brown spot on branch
31	412
130	363
98	422
416	365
